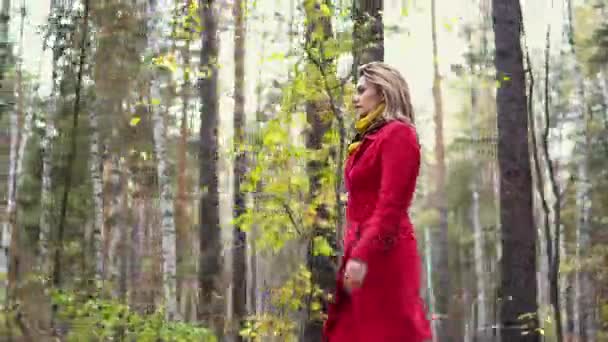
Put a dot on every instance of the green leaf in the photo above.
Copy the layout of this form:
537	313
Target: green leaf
155	102
322	247
134	121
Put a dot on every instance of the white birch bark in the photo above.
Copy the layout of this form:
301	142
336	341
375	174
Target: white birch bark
158	11
95	167
7	227
11	204
603	78
166	207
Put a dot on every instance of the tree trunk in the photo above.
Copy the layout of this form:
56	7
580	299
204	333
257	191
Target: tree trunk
583	295
368	32
210	269
239	238
445	328
518	264
481	323
184	236
166	208
115	214
318	30
95	168
159	107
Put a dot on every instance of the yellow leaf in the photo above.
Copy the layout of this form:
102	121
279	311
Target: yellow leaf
134	121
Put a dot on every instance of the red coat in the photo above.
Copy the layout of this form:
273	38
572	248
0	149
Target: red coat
380	179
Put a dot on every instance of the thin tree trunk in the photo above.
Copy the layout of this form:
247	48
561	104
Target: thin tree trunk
518	265
182	208
117	227
554	262
446	329
584	319
481	323
95	169
546	239
319	29
9	227
239	238
428	252
212	289
57	270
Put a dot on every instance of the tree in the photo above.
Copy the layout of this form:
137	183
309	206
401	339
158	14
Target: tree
368	32
239	257
445	329
318	31
518	264
210	267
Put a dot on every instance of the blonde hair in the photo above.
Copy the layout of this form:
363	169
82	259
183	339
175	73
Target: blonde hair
393	86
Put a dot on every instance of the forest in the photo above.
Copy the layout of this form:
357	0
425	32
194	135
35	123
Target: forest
172	170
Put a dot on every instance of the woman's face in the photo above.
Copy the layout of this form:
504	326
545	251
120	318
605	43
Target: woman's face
367	97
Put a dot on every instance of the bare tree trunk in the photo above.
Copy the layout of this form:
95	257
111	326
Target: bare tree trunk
160	103
95	168
212	289
428	252
117	227
518	283
446	329
557	240
166	207
480	323
584	319
57	267
184	236
239	258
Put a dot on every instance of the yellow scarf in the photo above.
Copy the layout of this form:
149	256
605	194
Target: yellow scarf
363	124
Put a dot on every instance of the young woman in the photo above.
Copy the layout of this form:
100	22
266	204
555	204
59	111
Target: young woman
377	296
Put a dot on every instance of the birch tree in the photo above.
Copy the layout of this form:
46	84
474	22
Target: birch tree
159	107
441	259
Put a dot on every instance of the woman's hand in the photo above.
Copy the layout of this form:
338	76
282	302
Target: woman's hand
354	274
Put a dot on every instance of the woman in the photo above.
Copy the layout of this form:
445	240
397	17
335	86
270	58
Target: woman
377	296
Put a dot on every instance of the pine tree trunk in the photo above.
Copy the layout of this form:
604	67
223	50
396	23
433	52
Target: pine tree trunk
445	328
212	289
239	238
518	270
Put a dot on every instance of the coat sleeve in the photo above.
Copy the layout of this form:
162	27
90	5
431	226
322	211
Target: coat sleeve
399	158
